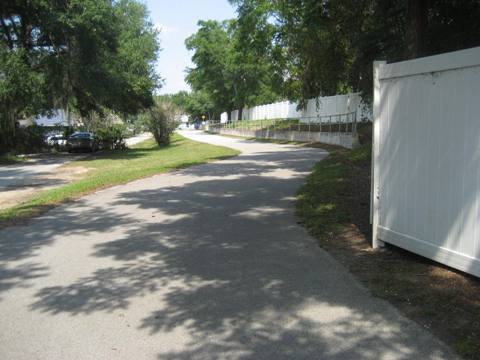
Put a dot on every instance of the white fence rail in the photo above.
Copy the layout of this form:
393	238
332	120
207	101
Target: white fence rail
426	157
317	110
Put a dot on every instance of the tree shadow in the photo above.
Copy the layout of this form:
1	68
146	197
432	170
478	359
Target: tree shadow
216	252
20	245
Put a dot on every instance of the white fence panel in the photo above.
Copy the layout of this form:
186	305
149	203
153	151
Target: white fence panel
426	190
223	117
332	105
315	109
234	115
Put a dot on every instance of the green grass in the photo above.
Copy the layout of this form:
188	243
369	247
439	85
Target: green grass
467	347
119	167
334	207
323	202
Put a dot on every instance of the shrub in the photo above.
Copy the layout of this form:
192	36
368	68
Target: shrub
112	136
29	140
161	121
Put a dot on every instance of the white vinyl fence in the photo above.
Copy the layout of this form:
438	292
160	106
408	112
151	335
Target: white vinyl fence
316	110
426	157
223	118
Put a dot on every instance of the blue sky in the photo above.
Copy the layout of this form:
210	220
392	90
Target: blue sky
178	20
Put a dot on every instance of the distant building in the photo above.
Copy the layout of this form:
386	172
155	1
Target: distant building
57	118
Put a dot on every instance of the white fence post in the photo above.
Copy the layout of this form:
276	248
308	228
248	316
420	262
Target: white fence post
374	190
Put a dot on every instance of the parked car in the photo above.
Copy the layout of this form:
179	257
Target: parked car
82	141
56	140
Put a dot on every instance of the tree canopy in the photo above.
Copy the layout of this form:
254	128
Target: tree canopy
90	55
301	49
232	58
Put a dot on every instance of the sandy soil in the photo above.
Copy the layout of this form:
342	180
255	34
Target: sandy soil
55	178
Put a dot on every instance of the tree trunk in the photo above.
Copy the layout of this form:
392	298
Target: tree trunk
418	21
7	131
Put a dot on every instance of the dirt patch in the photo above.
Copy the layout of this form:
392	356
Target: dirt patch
24	191
445	301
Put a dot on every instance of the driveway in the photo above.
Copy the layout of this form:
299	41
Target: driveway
20	182
138	138
33	172
38	170
203	263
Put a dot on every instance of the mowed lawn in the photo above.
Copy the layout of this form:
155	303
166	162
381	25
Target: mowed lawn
118	167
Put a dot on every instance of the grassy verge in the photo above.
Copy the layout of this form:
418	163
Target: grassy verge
118	167
334	206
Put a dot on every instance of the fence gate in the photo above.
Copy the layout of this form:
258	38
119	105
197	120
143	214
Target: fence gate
426	157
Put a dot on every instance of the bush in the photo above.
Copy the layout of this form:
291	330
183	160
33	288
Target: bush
29	140
112	136
161	121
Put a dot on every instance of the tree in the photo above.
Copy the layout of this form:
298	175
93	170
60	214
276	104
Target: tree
20	87
199	103
254	80
233	68
134	65
211	74
91	55
327	47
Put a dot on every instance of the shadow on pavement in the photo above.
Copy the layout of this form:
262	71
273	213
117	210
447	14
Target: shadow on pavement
230	269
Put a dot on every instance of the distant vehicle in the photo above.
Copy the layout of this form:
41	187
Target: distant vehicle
48	136
82	141
56	140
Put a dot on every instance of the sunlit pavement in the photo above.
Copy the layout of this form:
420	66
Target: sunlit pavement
138	139
203	263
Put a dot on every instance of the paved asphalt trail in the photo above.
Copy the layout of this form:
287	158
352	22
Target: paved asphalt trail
203	263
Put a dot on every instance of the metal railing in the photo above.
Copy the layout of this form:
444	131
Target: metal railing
343	123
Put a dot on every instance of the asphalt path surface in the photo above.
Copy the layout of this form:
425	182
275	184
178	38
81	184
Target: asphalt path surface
203	263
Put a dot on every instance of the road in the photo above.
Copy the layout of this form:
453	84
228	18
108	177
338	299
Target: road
204	263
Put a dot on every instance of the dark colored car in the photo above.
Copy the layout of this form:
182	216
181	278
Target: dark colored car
82	141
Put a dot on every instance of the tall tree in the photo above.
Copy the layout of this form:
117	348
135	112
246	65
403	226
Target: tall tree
233	61
254	79
327	47
90	54
212	74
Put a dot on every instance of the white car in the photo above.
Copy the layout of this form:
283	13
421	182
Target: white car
56	140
